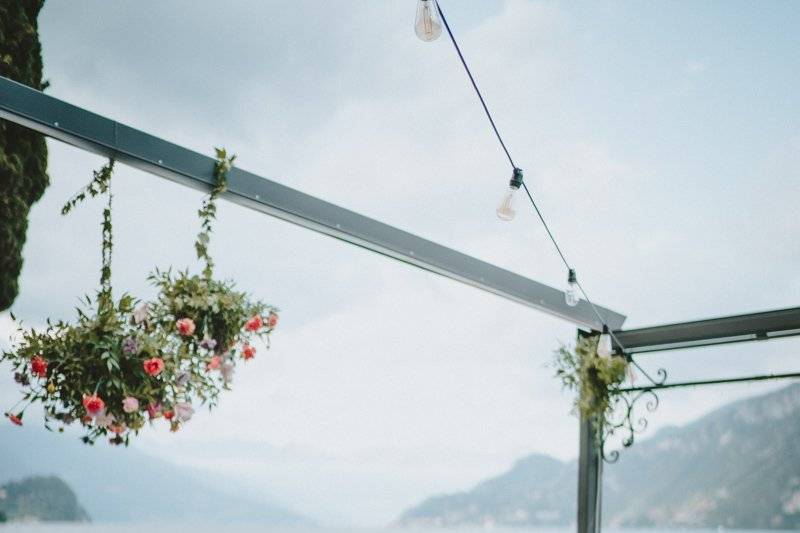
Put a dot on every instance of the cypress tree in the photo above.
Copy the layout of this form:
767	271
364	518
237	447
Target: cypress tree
23	153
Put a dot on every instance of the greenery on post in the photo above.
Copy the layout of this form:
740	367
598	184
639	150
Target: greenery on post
23	153
591	377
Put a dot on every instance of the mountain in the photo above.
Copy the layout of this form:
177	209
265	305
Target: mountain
737	467
46	499
124	485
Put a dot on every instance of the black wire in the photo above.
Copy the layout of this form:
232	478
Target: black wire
547	228
511	160
474	85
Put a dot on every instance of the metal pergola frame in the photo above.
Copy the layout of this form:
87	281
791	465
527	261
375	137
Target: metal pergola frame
86	130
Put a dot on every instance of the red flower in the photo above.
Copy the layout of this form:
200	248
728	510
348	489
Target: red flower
16	420
38	366
214	363
248	352
185	326
272	320
93	404
254	324
154	366
168	414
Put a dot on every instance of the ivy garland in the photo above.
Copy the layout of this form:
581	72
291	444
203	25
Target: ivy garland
125	362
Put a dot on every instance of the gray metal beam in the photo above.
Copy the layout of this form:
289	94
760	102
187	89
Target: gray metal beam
590	479
723	330
94	133
590	474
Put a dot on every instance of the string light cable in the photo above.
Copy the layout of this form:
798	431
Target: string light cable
506	211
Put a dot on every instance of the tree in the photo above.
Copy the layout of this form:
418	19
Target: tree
23	153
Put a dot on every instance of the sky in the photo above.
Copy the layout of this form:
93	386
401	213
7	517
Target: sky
660	139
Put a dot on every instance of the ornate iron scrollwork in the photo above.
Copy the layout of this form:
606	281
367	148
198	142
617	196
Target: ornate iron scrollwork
624	418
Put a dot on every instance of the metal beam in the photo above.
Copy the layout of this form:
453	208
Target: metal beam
722	381
590	474
94	133
712	331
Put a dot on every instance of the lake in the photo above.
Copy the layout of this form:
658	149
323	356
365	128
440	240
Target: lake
208	528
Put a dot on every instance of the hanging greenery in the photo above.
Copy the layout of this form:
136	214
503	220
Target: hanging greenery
125	362
23	153
592	378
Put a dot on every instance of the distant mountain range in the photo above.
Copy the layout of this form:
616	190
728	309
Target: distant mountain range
125	485
738	467
40	499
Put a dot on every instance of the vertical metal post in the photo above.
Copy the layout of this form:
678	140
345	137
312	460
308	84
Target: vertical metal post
590	475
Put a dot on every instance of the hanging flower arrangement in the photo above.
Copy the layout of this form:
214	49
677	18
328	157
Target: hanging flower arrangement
593	378
126	362
600	397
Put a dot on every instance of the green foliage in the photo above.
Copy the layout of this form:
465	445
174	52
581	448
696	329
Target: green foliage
23	153
140	363
208	212
591	377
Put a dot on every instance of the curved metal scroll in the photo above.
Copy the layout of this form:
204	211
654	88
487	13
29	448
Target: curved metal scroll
624	418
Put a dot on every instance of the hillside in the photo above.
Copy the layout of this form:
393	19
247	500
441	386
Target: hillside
738	467
111	482
46	499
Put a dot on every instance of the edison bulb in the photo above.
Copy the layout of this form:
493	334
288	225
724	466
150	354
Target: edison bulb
604	348
571	294
427	25
505	211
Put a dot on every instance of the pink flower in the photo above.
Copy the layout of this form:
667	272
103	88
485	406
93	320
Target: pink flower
154	410
248	352
272	320
254	324
93	404
130	404
214	363
183	411
38	366
154	366
185	326
103	419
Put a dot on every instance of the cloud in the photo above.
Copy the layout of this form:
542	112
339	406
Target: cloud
385	380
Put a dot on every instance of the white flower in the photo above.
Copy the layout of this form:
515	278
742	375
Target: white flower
182	379
227	370
140	314
183	411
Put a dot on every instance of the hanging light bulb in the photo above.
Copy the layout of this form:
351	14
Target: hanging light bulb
604	348
506	209
571	294
427	25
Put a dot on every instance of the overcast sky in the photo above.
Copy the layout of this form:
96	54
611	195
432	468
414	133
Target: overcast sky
661	140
